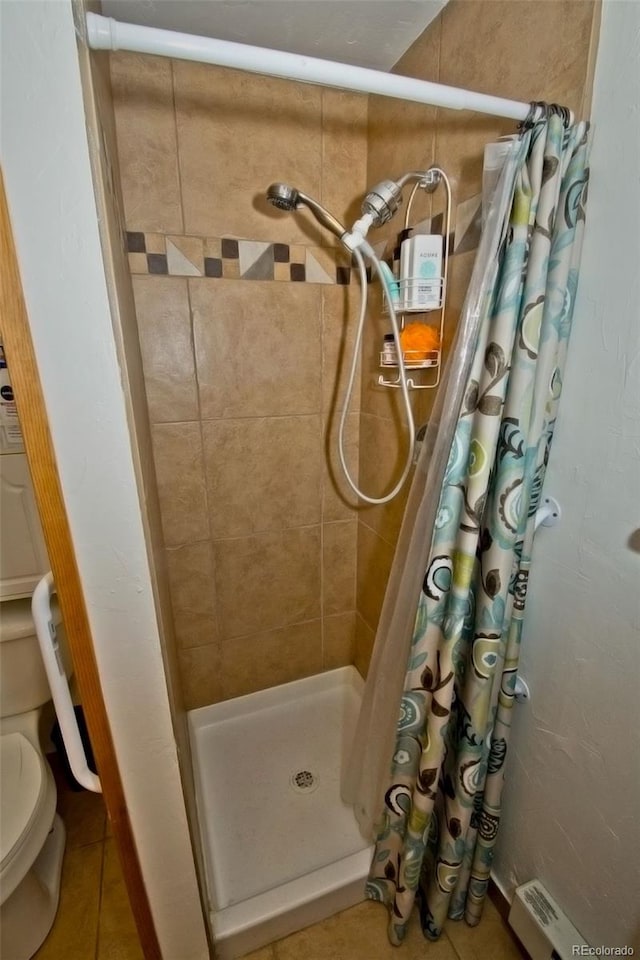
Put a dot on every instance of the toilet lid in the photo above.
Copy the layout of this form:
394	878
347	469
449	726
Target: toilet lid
23	782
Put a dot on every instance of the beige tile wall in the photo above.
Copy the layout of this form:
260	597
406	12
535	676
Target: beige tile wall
244	379
532	49
268	557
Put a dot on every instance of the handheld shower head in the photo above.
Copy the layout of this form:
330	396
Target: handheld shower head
288	198
282	196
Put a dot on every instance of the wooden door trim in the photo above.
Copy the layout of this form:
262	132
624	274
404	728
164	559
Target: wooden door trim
25	380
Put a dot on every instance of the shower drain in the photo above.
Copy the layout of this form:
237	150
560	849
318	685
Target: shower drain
304	781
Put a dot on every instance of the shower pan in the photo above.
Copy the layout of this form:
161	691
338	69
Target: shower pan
281	848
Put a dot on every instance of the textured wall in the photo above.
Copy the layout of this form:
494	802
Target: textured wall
46	163
528	50
241	312
573	778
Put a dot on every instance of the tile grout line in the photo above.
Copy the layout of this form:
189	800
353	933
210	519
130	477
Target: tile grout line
199	406
321	442
371	529
100	899
178	164
89	843
241	637
451	944
250	536
209	539
191	325
261	416
436	119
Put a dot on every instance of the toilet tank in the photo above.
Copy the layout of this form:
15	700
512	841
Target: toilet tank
23	563
23	555
23	681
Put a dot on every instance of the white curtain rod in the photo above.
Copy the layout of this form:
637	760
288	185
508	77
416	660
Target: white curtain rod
105	33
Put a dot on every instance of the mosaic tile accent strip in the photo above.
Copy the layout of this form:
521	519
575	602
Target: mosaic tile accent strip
185	256
231	258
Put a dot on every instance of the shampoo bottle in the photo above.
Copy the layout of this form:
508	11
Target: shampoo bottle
421	272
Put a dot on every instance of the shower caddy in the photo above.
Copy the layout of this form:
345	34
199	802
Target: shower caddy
433	178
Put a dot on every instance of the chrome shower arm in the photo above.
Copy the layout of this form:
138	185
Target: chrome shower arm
414	175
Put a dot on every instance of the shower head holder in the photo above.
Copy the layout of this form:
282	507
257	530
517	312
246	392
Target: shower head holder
382	202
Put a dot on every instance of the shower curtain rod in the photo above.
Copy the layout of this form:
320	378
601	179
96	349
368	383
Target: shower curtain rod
105	33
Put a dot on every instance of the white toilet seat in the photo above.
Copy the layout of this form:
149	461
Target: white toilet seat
27	809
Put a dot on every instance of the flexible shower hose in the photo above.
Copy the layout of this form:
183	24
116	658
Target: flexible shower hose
366	247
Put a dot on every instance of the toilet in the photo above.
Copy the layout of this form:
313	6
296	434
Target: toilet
32	837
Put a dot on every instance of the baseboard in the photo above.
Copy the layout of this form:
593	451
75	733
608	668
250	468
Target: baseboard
499	899
503	905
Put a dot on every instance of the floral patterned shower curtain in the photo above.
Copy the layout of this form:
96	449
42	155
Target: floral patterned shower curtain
442	808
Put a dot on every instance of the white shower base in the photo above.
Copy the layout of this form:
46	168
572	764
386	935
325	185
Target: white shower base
281	849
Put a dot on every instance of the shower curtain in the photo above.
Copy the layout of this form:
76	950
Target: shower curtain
430	783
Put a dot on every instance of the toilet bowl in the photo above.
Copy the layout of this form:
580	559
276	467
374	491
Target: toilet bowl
32	837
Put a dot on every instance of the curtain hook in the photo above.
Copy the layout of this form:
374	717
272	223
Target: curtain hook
537	112
563	112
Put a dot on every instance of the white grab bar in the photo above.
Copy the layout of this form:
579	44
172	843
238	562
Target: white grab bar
548	514
57	677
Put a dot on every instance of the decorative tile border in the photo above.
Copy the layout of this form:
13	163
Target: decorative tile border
229	258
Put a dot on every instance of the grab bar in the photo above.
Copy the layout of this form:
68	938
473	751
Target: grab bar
59	685
548	514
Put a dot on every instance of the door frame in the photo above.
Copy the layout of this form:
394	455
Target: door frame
31	408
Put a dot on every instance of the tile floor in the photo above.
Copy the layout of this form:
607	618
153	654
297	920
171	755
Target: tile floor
94	920
360	934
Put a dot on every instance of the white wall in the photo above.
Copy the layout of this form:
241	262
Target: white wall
572	800
48	179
